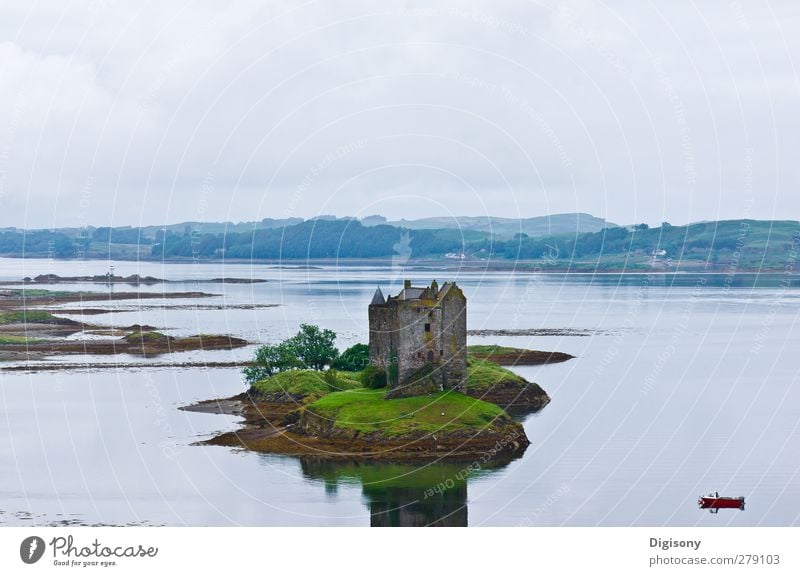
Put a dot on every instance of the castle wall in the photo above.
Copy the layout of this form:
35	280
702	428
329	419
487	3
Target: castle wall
382	332
454	339
397	330
416	347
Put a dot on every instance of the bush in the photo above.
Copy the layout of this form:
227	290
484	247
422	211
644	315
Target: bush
373	377
354	359
271	360
331	379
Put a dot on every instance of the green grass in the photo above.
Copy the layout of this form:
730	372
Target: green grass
40	293
366	411
7	339
482	375
26	317
305	383
486	349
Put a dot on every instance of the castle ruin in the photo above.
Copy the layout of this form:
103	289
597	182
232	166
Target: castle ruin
420	335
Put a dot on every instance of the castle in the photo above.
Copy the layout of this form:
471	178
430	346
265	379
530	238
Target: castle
421	327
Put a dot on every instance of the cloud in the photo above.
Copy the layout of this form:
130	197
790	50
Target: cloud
129	114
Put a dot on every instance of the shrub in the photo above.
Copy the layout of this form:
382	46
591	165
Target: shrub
373	377
330	377
354	359
271	360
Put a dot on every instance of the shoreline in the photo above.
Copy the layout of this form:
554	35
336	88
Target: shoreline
30	331
279	419
688	267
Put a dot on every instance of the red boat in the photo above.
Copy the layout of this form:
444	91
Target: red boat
714	502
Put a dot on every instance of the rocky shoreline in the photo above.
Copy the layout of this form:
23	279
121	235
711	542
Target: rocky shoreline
133	280
276	421
31	330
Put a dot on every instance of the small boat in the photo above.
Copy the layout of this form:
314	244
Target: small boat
713	502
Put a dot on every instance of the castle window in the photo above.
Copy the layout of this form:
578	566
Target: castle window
427	327
441	352
430	356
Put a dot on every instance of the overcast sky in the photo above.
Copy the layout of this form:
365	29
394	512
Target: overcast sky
117	113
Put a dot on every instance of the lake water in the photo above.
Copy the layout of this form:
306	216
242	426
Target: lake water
688	385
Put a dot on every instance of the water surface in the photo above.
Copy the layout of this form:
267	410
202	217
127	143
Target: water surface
689	385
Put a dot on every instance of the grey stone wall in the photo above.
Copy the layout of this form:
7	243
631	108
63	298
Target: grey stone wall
398	329
454	340
382	331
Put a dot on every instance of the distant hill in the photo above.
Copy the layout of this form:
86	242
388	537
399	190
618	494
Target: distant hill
731	246
504	228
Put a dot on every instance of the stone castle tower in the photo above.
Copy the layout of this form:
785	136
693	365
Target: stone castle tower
420	328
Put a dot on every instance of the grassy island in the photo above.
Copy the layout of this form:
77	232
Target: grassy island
331	415
307	399
363	411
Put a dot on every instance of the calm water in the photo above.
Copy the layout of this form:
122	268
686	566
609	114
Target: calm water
688	386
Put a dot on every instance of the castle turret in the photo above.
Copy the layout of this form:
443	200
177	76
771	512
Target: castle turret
377	298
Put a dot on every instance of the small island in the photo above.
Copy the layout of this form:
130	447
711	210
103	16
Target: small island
417	391
33	328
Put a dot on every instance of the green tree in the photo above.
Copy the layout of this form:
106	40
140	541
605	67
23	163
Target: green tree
354	359
269	360
314	347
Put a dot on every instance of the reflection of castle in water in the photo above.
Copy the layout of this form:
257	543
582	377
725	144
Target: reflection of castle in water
395	506
403	494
